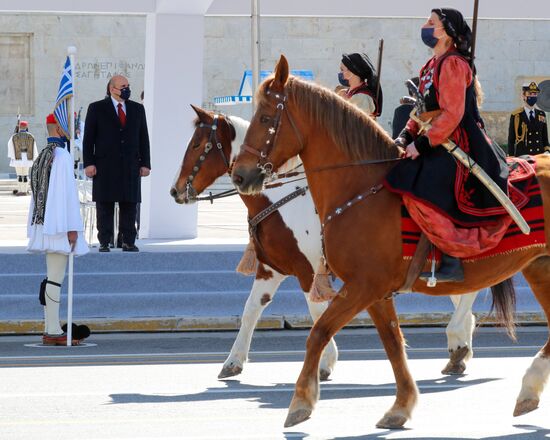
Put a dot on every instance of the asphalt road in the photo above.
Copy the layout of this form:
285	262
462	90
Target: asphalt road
165	386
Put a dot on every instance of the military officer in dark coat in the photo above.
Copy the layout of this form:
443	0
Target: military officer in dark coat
528	131
116	155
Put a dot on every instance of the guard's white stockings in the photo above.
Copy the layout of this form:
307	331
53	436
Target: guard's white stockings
22	174
56	264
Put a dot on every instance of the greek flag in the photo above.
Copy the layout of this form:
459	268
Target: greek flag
61	111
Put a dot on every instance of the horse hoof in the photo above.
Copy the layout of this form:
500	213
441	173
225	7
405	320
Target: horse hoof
453	369
324	374
230	371
298	416
395	421
525	406
459	354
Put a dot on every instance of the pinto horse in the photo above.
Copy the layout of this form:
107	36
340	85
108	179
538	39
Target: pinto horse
286	243
362	231
303	248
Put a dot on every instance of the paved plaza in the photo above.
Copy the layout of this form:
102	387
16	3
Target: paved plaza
223	223
165	386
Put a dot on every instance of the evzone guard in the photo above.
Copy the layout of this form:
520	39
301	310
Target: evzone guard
22	152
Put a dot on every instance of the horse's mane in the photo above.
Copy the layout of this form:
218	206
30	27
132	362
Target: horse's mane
356	133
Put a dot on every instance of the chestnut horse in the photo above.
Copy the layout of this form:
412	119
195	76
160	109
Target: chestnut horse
303	250
362	233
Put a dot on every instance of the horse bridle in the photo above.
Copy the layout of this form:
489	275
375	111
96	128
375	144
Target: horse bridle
264	164
212	140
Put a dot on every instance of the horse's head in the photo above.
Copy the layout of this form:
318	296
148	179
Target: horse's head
207	156
272	137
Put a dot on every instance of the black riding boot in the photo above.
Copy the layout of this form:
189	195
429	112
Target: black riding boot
450	271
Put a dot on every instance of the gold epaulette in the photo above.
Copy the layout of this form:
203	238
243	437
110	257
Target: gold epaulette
518	111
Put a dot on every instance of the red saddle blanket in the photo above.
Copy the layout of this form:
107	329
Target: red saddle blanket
524	191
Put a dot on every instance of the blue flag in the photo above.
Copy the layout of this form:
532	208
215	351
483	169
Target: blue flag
61	111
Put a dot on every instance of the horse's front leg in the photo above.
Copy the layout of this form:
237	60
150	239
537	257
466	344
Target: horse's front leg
385	319
262	293
460	331
330	354
339	312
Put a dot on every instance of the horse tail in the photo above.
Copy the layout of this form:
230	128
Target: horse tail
504	303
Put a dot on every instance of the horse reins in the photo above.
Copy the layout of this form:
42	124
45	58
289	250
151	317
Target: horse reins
266	166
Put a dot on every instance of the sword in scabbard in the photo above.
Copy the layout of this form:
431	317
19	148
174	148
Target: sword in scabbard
467	161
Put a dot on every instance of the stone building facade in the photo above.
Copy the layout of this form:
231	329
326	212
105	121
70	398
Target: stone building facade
33	49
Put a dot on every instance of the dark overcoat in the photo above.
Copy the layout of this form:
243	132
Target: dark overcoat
117	152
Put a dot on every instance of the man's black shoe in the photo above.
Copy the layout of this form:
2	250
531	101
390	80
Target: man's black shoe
129	248
104	247
450	271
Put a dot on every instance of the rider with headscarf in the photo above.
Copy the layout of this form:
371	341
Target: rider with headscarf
451	206
358	76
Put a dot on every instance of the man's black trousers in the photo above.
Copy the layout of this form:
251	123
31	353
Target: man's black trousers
126	225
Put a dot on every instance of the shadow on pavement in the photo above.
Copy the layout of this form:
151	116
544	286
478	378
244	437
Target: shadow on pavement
278	395
534	433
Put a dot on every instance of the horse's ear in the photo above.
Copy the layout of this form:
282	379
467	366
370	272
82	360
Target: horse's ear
281	72
203	116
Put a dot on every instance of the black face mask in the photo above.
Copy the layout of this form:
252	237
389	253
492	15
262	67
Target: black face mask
125	93
531	100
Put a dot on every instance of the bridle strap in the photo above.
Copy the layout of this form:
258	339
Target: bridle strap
212	141
249	149
264	164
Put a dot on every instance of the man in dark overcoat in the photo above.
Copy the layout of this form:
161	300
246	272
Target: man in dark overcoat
116	155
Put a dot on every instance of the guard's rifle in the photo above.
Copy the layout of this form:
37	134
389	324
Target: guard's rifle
18	125
424	125
379	71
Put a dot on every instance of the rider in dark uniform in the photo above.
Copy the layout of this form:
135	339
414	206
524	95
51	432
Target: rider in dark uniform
528	131
443	191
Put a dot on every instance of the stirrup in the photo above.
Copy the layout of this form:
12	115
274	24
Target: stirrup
42	291
432	280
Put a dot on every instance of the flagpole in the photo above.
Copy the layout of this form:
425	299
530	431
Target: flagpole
71	51
70	300
255	28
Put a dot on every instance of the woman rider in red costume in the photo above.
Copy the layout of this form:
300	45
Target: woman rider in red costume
436	189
